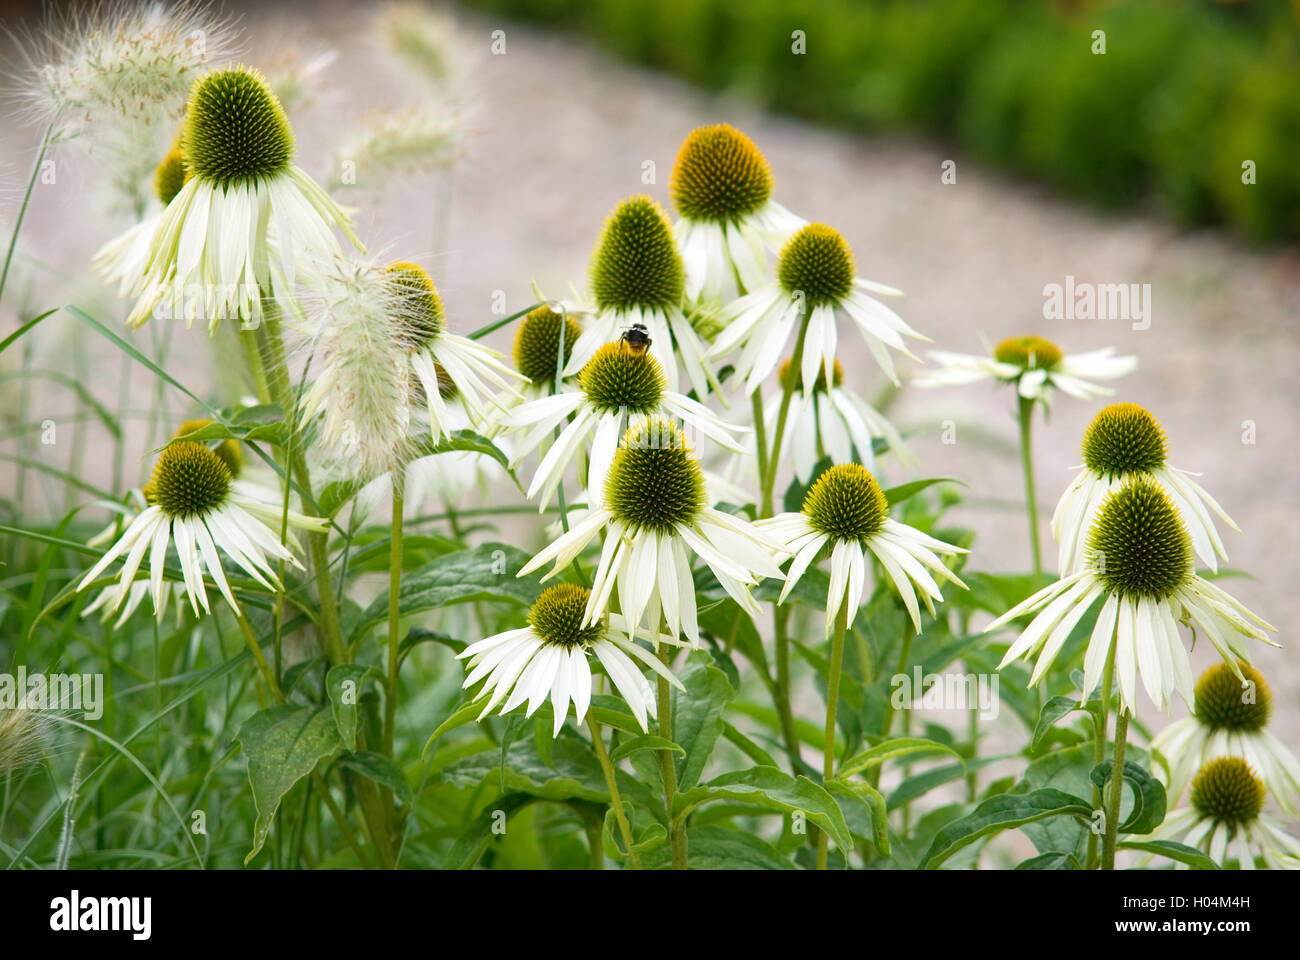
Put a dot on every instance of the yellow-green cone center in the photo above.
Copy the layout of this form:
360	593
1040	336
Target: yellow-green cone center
170	176
615	379
636	263
818	262
792	378
655	482
235	129
1124	438
1227	790
1028	353
556	617
846	503
227	450
189	480
416	303
1223	702
537	343
1138	546
719	175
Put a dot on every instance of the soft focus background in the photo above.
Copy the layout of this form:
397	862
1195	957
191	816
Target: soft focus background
1115	168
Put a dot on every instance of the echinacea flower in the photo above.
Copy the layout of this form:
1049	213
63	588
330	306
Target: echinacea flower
722	188
1139	562
192	501
1034	365
124	258
617	387
211	254
1226	820
655	511
814	276
846	513
536	348
637	277
551	658
1232	710
1125	440
831	421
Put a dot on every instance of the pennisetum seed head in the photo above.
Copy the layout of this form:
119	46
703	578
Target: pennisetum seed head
719	175
818	262
846	503
655	481
1124	438
235	129
1223	702
189	480
537	343
1228	791
636	262
1138	546
556	617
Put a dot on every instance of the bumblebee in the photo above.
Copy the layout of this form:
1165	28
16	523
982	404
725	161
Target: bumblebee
636	340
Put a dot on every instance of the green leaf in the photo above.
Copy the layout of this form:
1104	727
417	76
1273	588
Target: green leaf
1149	800
473	840
747	746
380	769
1174	851
870	798
629	747
999	813
418	635
891	750
797	492
1050	861
905	491
283	744
17	334
574	773
465	713
697	715
922	783
486	572
771	789
1053	710
715	847
651	836
344	686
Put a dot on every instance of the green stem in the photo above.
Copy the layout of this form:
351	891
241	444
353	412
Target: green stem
1026	417
760	432
27	199
1115	791
1099	746
394	612
615	800
832	706
255	648
667	769
778	433
781	693
495	325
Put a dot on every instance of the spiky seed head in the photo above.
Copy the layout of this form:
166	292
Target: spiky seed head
21	731
556	617
1138	545
818	261
1228	791
537	342
615	379
655	481
1224	703
235	129
1028	353
636	263
171	175
719	175
793	378
417	305
846	503
189	480
228	450
1124	438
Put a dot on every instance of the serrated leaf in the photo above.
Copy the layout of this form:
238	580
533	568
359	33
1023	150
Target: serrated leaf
1003	812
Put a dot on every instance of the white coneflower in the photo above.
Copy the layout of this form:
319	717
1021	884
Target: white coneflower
618	386
394	142
211	254
846	513
1226	822
722	188
551	659
361	398
655	512
536	345
814	275
123	259
475	371
1034	365
637	278
832	421
123	68
192	501
1139	561
1232	709
1126	440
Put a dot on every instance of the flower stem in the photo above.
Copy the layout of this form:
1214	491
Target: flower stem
255	648
27	199
1099	730
1026	416
832	706
611	782
1116	791
760	432
394	612
781	693
667	769
778	433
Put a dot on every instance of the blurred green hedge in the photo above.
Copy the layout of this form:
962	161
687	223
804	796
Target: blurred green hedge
1187	91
